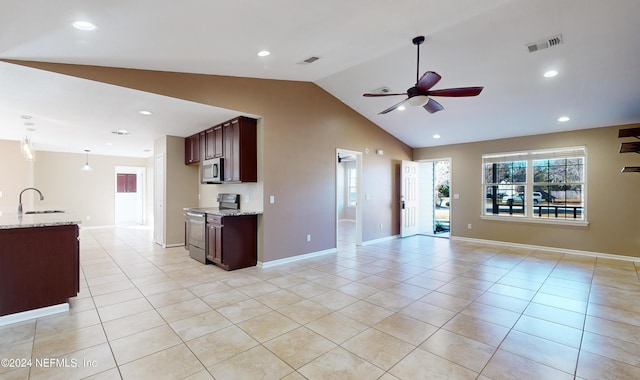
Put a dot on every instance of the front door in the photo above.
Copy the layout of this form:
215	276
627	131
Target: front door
409	199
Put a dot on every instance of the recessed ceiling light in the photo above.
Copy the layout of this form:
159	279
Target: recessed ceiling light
121	132
263	53
83	25
550	74
436	136
563	119
401	108
145	112
108	144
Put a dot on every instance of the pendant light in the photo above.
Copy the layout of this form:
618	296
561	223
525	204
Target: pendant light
86	167
26	146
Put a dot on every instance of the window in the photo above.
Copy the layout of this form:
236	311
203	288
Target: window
352	187
546	185
126	183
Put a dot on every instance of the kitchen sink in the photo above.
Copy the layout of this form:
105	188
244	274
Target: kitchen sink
44	212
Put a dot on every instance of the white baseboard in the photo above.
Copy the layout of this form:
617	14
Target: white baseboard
374	241
550	249
287	260
32	314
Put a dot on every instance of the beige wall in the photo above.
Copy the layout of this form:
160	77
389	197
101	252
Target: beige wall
90	196
15	175
613	198
303	126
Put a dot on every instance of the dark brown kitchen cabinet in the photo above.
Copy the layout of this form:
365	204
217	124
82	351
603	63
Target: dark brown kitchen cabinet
232	241
240	150
213	142
39	267
192	149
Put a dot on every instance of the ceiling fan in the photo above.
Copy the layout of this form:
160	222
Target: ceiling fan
420	94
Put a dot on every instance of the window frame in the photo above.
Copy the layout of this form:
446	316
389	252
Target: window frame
529	156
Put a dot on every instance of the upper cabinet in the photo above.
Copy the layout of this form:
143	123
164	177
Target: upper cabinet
214	142
192	149
235	141
240	150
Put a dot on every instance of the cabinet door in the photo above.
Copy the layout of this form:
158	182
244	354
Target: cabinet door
192	149
210	144
227	136
218	149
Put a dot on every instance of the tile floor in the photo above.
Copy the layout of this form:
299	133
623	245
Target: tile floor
415	308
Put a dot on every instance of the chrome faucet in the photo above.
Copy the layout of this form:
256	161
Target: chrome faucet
20	198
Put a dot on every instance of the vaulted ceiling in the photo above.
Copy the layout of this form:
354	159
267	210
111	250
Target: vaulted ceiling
362	45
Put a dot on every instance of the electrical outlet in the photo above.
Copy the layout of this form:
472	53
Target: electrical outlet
308	237
469	226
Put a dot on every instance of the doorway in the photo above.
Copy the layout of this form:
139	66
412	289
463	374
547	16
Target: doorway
348	198
129	195
435	185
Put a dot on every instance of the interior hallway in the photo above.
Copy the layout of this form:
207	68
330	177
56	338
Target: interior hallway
411	308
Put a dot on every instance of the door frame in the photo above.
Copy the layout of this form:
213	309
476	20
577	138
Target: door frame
359	196
451	195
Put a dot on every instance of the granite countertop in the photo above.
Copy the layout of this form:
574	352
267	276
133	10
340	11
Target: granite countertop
10	220
217	211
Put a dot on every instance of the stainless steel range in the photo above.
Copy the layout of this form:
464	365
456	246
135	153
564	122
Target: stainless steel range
196	235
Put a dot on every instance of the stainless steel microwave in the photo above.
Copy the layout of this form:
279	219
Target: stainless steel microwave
211	170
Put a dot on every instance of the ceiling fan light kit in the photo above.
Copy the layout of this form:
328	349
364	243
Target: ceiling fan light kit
420	94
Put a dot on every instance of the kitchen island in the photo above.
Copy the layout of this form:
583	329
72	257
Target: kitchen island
39	264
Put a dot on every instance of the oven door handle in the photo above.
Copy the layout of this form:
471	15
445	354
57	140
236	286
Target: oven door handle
195	215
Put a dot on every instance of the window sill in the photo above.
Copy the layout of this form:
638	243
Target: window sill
561	222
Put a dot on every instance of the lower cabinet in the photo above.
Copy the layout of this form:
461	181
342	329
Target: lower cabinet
232	241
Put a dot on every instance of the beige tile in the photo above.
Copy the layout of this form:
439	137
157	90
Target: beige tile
337	327
164	284
117	297
477	329
257	289
340	364
61	344
378	282
244	310
554	332
224	298
504	302
279	299
173	363
183	310
300	346
591	366
420	364
541	350
20	350
408	290
221	345
199	325
308	289
17	332
613	329
406	328
171	297
614	314
428	313
256	363
512	291
332	281
491	314
459	349
121	327
267	326
389	300
334	300
65	322
378	348
611	348
458	291
141	344
305	311
76	365
507	366
446	301
200	375
111	287
365	312
553	314
123	309
358	290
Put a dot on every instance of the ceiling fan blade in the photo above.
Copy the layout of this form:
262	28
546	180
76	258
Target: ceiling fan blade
393	107
428	80
432	106
456	92
369	95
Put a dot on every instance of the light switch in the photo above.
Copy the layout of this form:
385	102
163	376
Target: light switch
272	199
456	196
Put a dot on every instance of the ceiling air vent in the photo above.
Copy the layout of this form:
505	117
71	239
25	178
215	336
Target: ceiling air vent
549	42
308	61
381	90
